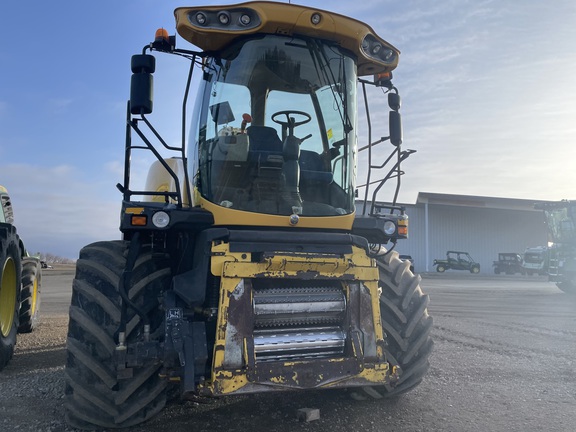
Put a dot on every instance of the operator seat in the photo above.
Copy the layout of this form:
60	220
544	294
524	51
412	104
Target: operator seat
266	160
314	178
264	140
312	169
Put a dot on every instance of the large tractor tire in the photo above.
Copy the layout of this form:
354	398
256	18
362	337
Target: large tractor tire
95	397
10	279
30	297
407	326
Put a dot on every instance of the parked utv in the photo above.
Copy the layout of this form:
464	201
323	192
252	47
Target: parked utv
457	261
536	260
509	263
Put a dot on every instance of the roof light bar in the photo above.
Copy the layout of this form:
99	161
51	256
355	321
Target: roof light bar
376	50
230	19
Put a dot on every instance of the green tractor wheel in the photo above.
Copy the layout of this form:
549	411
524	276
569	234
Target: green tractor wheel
407	326
30	298
440	268
95	397
9	291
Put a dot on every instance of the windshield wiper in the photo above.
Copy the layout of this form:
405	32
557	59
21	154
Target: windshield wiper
323	64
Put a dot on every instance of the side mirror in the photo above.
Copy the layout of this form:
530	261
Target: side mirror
394	101
395	127
142	83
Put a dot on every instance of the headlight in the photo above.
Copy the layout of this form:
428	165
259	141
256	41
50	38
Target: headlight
389	228
374	49
224	18
161	219
387	54
201	18
316	18
245	19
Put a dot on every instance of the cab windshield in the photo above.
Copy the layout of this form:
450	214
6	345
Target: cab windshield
274	128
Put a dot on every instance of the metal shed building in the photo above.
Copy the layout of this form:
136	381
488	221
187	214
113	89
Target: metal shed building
482	226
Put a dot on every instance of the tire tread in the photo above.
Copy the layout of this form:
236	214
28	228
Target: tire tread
407	326
95	314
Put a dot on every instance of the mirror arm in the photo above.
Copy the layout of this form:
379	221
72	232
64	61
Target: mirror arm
381	140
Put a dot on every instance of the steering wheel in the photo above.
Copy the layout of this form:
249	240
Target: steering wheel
290	122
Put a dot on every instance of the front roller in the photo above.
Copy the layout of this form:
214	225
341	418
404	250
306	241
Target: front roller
10	267
406	323
95	396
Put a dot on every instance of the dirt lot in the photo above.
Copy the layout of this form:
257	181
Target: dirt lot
503	361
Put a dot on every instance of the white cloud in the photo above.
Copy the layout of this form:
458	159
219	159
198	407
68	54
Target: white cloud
58	211
489	98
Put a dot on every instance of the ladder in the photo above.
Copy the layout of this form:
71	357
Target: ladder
554	266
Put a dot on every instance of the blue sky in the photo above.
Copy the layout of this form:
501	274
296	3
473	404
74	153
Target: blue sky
488	88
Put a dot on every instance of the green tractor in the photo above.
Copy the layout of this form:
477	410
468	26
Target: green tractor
244	265
561	221
20	283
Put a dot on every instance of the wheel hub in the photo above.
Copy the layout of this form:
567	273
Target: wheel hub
8	292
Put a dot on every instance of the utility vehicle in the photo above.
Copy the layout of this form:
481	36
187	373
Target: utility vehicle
509	263
535	260
456	260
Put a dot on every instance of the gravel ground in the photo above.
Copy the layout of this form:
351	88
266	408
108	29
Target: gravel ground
503	360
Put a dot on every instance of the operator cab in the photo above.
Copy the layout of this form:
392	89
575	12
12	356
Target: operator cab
273	136
274	127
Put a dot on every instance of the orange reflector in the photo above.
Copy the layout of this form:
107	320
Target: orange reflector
403	230
384	76
137	220
161	34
